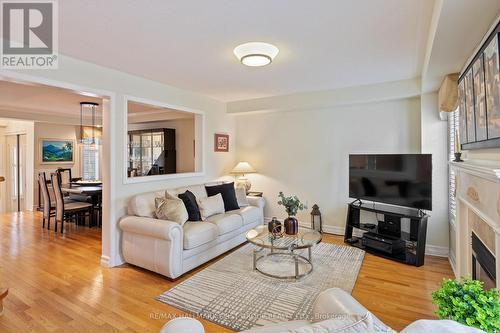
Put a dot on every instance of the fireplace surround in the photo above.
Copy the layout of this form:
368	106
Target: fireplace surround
475	230
483	263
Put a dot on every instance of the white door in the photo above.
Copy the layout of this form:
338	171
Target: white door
16	173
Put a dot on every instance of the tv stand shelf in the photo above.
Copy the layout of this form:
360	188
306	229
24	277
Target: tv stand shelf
405	227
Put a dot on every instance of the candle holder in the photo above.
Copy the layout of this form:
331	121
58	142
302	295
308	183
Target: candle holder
458	157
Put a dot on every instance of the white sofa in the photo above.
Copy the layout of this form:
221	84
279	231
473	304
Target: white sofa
333	311
171	250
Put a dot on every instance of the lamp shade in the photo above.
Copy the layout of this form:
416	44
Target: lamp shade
242	168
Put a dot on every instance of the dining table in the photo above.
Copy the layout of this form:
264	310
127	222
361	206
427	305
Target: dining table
93	191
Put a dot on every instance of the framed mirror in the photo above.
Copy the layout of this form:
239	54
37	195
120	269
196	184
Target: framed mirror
162	141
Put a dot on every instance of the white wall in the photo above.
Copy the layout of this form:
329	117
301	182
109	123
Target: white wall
83	76
435	142
483	154
306	152
54	131
184	140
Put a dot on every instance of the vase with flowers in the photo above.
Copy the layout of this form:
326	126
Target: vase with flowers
292	205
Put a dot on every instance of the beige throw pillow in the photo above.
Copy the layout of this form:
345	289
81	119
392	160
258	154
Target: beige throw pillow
171	209
210	206
241	196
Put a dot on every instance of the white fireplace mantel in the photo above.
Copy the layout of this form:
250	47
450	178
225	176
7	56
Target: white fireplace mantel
481	168
478	207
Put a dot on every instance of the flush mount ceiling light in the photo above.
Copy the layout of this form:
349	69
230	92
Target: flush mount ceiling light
256	54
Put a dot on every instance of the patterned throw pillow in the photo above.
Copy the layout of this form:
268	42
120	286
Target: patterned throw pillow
171	209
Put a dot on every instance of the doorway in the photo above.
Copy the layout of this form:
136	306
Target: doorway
16	172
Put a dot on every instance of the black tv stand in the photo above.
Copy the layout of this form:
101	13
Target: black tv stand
404	228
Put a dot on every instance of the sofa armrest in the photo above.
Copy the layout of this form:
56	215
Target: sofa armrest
183	325
335	301
150	227
256	201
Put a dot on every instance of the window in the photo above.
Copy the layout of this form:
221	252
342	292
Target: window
91	162
453	126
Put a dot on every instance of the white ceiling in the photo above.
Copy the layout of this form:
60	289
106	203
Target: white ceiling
324	44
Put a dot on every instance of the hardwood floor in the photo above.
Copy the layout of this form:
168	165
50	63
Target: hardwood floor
57	285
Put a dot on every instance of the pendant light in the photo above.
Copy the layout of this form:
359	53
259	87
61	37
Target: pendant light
88	135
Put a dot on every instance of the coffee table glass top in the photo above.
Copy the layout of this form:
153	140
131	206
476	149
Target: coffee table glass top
305	238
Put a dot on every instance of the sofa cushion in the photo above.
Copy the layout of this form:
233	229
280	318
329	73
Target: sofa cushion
198	233
226	222
211	206
144	204
191	205
249	214
228	195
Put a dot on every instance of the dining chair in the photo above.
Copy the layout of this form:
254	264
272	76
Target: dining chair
69	211
65	176
48	207
67	180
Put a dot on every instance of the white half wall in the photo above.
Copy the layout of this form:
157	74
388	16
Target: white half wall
306	152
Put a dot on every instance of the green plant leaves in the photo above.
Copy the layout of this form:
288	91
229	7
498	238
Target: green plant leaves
292	204
468	303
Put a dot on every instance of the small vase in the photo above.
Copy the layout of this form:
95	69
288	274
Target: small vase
291	225
274	226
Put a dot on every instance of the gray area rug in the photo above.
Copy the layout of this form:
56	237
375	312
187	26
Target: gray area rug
230	293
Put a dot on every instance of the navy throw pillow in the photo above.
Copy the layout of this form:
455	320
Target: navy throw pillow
191	205
228	195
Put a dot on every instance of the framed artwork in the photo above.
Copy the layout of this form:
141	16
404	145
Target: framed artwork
479	99
492	80
462	110
221	143
56	151
469	106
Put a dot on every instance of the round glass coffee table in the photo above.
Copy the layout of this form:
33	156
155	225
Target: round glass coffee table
280	256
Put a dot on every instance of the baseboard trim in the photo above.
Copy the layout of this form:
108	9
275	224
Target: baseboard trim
437	251
105	261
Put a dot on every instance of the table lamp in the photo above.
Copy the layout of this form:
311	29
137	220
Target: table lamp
241	169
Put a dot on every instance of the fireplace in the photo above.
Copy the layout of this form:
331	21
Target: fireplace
483	263
475	226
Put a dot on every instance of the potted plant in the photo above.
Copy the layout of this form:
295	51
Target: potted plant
292	205
468	303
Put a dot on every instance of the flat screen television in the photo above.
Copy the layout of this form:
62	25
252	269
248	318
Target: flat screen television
396	179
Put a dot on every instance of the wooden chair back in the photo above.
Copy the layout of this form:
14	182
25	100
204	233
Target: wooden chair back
56	185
